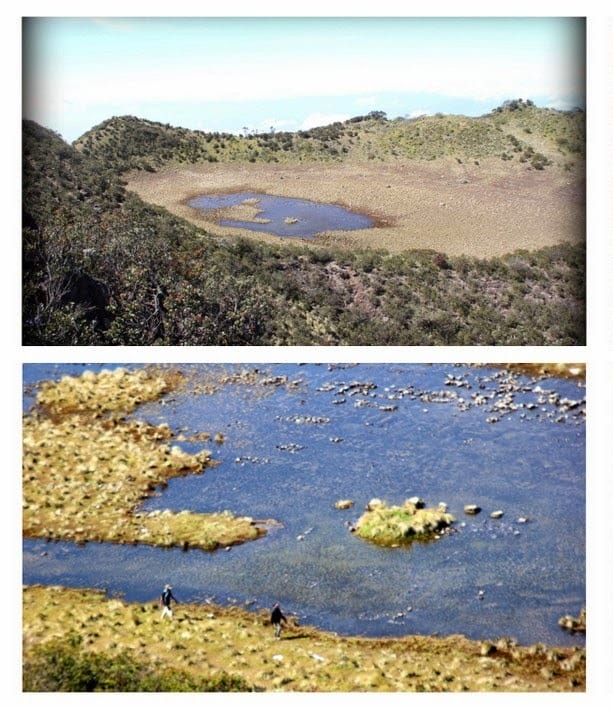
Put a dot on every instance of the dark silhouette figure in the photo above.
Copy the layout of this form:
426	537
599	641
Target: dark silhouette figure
277	619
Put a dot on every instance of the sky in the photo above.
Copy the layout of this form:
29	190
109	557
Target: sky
232	74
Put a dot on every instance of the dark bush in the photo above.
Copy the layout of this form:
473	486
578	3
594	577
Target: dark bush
64	666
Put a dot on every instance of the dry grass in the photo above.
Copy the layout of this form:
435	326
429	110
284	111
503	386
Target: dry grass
206	640
483	210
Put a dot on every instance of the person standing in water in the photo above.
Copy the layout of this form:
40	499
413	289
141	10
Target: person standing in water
277	618
166	599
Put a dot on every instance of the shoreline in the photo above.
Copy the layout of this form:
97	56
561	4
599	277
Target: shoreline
87	469
206	640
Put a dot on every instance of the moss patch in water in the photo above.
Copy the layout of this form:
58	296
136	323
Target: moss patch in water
117	390
564	370
395	525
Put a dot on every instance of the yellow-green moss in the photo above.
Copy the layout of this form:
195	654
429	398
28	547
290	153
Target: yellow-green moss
205	640
118	390
86	469
401	524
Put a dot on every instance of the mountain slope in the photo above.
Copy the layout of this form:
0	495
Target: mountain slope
516	131
102	267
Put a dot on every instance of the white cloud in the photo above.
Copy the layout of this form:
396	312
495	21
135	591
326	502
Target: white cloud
277	124
472	79
417	113
315	120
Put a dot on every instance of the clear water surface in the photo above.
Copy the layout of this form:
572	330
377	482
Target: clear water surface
311	218
292	449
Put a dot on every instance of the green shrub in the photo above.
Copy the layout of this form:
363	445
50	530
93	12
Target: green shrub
63	666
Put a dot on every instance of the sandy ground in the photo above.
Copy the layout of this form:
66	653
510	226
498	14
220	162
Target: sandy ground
481	210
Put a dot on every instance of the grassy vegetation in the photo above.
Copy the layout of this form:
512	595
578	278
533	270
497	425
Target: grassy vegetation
100	267
87	469
63	666
80	640
517	130
401	524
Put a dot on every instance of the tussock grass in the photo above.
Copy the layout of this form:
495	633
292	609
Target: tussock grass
86	469
211	642
394	525
106	391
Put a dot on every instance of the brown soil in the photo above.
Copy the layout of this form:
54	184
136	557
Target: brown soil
481	210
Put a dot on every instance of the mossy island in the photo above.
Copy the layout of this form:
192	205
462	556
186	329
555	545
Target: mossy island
395	525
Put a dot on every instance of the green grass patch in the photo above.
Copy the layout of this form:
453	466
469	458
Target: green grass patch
395	525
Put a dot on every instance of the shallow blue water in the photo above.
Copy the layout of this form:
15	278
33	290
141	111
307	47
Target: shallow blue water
313	217
390	431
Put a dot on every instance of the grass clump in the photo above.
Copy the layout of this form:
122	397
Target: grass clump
395	525
106	391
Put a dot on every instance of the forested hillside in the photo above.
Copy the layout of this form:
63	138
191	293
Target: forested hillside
101	267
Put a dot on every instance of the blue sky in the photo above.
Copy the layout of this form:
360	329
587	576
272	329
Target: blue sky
289	73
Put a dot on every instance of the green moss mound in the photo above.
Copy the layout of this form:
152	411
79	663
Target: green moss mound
395	525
